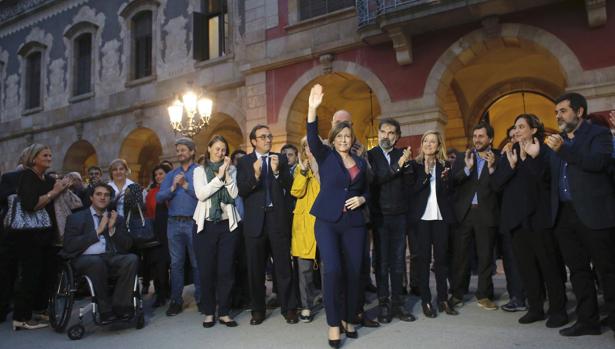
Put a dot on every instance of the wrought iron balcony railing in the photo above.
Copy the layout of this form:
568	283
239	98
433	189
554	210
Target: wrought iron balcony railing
369	10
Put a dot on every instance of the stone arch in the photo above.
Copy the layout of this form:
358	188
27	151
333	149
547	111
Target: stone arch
142	149
362	73
473	44
224	125
448	86
79	156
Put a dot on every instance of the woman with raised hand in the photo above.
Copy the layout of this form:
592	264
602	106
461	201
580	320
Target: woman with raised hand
526	215
432	215
216	237
340	224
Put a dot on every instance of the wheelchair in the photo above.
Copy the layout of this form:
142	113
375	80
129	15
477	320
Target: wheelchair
66	290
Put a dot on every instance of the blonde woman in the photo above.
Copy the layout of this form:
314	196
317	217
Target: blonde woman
303	243
118	172
432	215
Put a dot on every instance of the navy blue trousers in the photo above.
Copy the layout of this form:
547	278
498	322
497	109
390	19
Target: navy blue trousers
341	251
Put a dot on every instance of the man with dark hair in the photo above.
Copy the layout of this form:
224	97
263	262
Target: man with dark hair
582	206
477	210
292	155
388	207
98	244
264	185
177	190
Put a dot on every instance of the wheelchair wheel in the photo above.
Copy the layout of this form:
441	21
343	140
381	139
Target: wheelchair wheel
61	303
76	332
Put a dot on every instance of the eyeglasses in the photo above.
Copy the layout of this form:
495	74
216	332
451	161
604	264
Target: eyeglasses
265	137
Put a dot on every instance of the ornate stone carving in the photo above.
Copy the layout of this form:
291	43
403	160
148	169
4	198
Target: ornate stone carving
176	58
326	61
57	90
12	96
111	72
596	12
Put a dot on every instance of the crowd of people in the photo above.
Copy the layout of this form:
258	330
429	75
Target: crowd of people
309	217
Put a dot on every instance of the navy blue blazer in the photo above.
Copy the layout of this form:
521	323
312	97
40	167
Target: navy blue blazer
592	189
421	189
335	184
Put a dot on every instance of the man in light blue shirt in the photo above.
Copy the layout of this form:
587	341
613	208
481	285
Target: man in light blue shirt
177	190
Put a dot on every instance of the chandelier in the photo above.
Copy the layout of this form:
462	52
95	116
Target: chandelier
197	109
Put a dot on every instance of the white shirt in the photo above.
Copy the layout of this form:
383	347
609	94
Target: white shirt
101	246
120	202
205	190
432	211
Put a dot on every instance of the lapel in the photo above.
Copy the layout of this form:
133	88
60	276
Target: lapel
340	163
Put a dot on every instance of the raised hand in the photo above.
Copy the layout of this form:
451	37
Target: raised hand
405	157
274	162
224	167
258	164
314	101
104	222
469	159
490	157
554	142
532	148
512	156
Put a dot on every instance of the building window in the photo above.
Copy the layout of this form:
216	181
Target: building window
2	84
211	30
33	80
82	81
142	44
314	8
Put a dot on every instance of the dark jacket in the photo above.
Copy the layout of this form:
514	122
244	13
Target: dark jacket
592	189
335	184
525	194
466	186
389	193
253	193
420	190
79	234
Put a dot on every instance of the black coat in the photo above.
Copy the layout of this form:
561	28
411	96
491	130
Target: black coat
79	234
591	187
253	193
389	187
420	190
466	186
525	194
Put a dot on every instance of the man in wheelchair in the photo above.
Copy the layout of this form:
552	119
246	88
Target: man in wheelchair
97	243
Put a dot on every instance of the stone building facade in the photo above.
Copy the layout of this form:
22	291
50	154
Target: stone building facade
93	79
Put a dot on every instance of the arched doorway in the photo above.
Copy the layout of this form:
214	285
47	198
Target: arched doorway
504	110
142	150
223	125
342	91
79	156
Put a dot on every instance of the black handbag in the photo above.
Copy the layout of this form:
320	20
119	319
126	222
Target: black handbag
141	231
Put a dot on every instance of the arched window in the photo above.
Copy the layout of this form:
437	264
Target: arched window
141	24
82	64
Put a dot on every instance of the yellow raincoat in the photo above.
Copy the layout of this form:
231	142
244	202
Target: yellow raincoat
305	189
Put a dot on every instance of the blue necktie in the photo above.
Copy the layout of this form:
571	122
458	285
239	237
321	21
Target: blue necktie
267	181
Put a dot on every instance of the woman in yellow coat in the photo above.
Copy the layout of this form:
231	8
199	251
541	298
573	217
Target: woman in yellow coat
303	244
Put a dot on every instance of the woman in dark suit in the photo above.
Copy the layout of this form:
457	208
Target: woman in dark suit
340	224
432	215
526	214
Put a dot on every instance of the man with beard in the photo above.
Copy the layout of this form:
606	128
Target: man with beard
582	206
477	210
389	206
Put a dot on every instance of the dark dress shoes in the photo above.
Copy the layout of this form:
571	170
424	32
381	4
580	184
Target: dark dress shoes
354	334
291	317
384	317
209	324
230	323
365	322
579	329
335	343
531	317
257	318
445	307
557	320
107	318
428	310
403	314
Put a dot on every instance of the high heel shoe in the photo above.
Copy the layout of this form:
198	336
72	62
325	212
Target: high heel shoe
28	325
230	323
354	334
446	308
336	343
